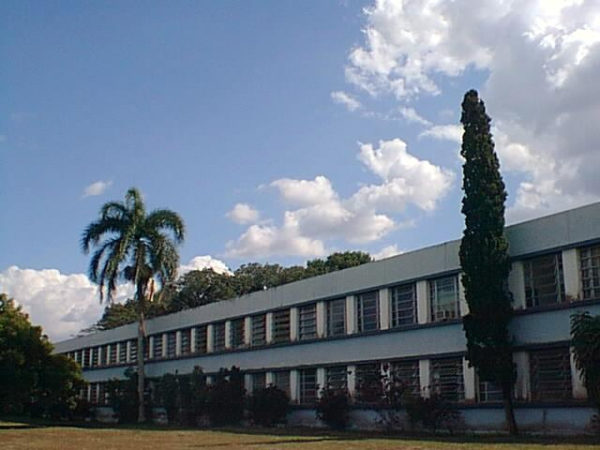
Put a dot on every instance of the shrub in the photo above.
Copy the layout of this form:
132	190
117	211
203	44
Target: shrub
268	406
225	398
333	407
432	413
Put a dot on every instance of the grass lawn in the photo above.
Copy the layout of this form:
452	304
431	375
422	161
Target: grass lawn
22	436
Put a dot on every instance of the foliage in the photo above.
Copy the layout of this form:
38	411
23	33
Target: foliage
200	287
432	413
395	392
333	407
123	397
337	261
225	398
484	254
585	338
32	379
268	406
138	247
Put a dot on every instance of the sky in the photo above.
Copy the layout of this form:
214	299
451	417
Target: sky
280	131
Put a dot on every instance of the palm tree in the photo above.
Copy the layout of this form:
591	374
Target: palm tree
137	247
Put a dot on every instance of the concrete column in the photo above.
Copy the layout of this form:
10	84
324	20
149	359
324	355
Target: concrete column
89	392
516	285
210	338
384	309
423	309
522	384
128	351
248	383
228	334
209	380
193	332
294	386
165	342
321	320
321	380
572	274
177	343
579	390
351	380
100	355
248	331
462	302
269	327
118	357
470	382
90	362
294	324
350	315
269	379
151	347
425	377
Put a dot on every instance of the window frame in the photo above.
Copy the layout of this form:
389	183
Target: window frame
360	321
398	304
443	312
333	319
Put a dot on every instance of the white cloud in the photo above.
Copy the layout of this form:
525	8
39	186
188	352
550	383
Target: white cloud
321	214
96	188
411	115
243	213
451	133
62	304
387	252
204	262
347	100
540	60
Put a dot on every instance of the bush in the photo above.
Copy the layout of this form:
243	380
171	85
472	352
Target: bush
225	398
268	406
333	407
432	413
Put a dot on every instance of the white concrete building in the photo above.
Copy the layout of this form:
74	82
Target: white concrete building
402	313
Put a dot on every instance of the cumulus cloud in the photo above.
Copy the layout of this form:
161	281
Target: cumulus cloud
243	213
63	304
540	60
411	115
96	188
387	252
321	215
347	100
451	133
204	262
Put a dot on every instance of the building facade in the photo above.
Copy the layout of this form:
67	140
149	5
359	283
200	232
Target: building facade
401	314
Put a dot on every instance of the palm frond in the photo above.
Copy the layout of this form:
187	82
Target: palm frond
163	219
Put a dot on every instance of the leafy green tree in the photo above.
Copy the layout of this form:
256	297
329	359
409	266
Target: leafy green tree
254	277
138	247
32	379
585	337
200	287
484	256
337	261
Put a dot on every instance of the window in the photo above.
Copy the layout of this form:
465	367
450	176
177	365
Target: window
544	282
336	317
112	356
550	374
133	351
308	386
95	356
337	378
123	351
443	295
93	393
589	258
489	392
171	344
258	381
368	382
186	341
281	325
200	339
158	346
281	379
447	378
404	305
259	327
307	321
404	376
219	336
236	333
367	312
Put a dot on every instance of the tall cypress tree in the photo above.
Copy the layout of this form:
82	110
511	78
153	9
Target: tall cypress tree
484	256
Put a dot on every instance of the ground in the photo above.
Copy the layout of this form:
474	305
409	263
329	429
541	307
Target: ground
21	436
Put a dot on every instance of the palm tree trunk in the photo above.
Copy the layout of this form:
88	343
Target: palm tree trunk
509	412
141	339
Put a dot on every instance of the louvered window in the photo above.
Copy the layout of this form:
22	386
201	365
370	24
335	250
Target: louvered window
123	352
219	336
94	393
447	378
444	300
95	356
281	379
200	338
404	305
404	377
336	317
133	355
550	374
337	378
237	333
281	325
86	358
308	386
544	281
367	312
590	271
307	317
258	381
369	387
158	346
259	327
171	344
186	341
112	358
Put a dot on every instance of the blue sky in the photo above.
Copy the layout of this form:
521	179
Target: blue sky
207	105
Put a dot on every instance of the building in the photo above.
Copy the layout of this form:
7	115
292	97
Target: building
403	314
